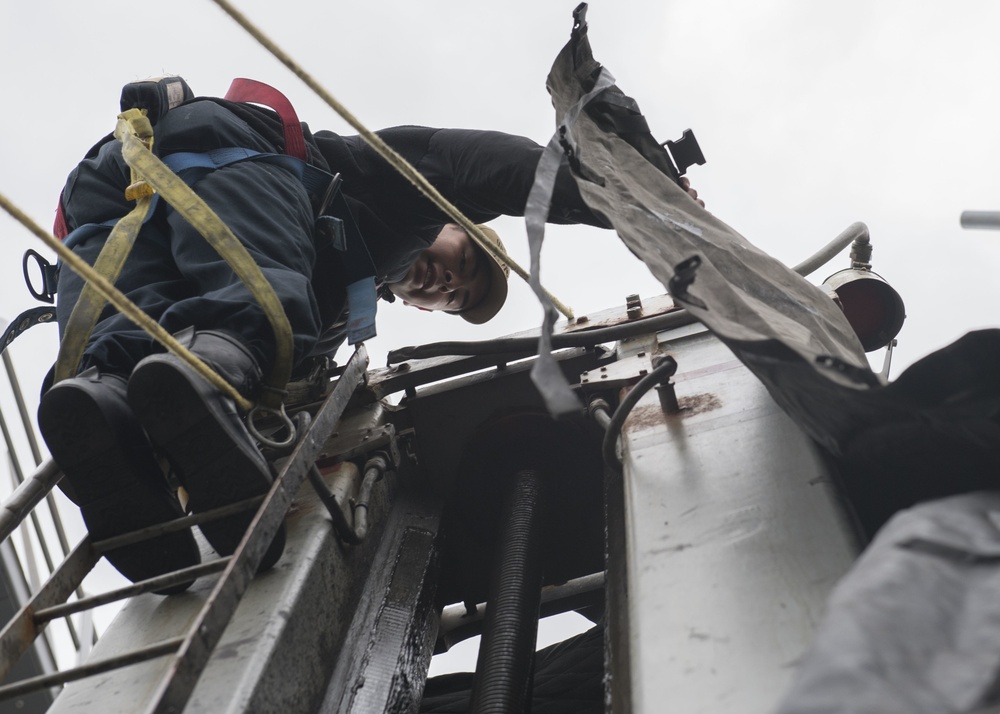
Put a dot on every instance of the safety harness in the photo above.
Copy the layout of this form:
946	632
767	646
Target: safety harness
172	179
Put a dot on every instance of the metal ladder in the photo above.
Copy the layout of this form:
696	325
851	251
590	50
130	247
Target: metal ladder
191	651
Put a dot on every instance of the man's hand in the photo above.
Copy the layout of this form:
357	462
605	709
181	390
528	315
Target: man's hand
686	185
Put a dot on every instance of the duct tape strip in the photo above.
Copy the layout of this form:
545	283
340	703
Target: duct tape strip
559	399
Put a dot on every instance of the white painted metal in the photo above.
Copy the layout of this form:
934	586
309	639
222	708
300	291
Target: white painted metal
734	536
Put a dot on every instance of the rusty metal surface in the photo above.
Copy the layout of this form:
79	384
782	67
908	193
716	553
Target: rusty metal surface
280	647
21	631
28	495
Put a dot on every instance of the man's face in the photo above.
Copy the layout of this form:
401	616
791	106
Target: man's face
450	275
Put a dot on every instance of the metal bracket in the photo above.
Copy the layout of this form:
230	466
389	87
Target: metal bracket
621	373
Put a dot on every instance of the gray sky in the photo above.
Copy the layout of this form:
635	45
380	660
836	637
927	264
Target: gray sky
811	115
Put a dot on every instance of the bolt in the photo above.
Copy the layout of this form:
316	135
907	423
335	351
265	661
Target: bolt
668	398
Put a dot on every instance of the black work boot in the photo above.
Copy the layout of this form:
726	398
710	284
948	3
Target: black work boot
200	432
113	476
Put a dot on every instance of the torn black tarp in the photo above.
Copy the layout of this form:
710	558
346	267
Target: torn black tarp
786	330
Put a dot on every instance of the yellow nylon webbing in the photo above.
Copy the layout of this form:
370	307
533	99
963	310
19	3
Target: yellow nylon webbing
125	306
90	303
109	263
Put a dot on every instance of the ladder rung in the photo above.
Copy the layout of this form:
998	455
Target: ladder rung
45	681
20	631
178	524
26	496
143	586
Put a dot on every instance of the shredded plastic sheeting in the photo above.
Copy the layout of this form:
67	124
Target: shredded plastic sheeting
786	330
914	627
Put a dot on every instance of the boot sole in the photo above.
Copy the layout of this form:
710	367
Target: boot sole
170	402
116	492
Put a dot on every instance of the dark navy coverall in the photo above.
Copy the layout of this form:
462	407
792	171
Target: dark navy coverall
178	279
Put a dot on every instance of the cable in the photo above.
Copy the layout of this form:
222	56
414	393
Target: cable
383	149
855	231
664	368
529	345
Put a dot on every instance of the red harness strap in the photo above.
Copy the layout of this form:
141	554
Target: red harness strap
249	90
241	90
59	228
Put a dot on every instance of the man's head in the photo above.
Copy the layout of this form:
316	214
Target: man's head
456	275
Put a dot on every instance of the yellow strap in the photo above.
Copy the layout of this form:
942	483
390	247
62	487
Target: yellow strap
188	204
386	151
109	264
90	303
125	306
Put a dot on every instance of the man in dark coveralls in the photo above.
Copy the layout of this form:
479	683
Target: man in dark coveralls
131	398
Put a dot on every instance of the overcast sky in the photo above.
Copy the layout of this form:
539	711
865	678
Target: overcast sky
812	115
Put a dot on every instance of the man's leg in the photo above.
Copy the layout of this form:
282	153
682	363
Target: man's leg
109	467
198	429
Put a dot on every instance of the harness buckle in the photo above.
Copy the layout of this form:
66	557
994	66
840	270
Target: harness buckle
49	273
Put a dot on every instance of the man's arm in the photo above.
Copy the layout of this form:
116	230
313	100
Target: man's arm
489	172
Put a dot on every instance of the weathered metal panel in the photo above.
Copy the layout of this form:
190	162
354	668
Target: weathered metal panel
734	535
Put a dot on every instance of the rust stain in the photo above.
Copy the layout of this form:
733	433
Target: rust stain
644	417
651	415
698	404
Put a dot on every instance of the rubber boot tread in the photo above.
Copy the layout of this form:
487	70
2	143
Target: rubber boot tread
212	456
116	481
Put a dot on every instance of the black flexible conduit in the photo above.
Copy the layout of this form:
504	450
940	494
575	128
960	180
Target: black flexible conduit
529	345
504	671
666	367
